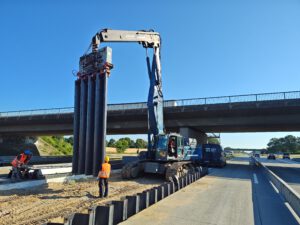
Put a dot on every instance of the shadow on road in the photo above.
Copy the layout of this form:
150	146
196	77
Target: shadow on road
268	207
288	174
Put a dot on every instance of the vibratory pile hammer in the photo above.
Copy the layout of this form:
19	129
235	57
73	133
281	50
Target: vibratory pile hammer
168	154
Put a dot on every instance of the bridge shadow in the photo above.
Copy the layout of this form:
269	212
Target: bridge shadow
233	170
268	207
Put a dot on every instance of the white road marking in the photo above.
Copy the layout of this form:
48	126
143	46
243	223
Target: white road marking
275	188
292	211
255	178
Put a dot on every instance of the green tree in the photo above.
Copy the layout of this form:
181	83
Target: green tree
111	143
288	143
140	143
132	144
121	145
70	140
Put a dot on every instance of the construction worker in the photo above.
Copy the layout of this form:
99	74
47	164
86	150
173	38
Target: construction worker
20	163
103	176
172	147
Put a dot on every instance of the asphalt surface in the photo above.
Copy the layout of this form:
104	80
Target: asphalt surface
238	194
286	169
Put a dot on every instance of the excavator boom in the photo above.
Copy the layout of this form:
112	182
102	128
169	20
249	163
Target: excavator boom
149	39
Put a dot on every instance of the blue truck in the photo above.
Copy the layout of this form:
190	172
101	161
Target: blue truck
210	155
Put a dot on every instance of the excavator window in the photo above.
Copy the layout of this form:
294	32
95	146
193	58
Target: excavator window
172	146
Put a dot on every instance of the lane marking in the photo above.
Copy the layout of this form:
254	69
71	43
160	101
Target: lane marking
275	188
255	178
292	212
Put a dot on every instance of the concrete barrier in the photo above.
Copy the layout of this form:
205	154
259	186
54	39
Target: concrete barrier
289	195
180	183
120	210
102	215
78	219
167	188
144	200
53	223
160	192
205	170
152	196
133	205
172	187
185	180
189	178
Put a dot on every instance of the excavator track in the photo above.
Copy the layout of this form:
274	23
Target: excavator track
131	170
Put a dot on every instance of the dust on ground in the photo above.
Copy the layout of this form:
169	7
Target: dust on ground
54	201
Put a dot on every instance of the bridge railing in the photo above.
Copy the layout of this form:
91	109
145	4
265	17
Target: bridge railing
169	103
37	112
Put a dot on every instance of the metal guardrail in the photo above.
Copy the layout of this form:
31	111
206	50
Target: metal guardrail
169	103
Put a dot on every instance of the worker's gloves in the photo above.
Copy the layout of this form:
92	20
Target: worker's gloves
97	178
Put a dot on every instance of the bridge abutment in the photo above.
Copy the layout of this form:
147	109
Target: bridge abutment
201	137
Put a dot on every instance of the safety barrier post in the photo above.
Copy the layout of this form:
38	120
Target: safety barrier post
172	187
102	215
167	187
182	182
133	205
185	180
176	182
120	210
152	196
53	223
77	219
160	192
144	200
189	178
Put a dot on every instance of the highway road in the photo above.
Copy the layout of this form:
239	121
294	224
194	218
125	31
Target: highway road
286	169
238	194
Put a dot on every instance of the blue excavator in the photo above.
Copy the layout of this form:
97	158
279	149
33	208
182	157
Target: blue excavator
168	154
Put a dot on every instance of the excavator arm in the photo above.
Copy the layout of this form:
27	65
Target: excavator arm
149	39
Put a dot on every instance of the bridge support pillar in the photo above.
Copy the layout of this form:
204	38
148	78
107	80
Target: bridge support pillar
191	133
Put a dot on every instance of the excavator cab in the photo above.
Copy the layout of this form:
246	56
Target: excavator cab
169	147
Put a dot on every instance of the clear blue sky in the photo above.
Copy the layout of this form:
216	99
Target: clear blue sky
210	48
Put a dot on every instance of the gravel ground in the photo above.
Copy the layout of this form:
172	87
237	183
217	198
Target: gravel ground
54	201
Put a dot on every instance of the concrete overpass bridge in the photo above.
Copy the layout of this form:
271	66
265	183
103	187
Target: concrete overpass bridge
239	113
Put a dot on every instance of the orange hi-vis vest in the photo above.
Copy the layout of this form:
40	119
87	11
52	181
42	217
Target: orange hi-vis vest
105	171
16	162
